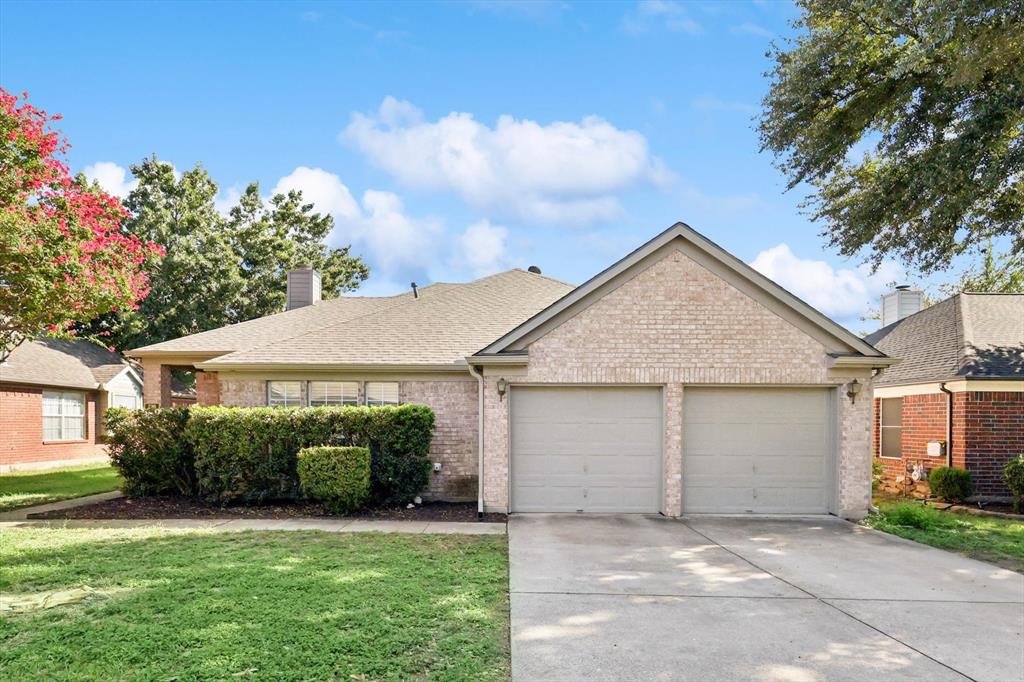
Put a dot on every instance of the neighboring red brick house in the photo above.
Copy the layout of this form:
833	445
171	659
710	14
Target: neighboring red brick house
958	396
52	397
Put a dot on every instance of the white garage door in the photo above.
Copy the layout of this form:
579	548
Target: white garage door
586	449
760	450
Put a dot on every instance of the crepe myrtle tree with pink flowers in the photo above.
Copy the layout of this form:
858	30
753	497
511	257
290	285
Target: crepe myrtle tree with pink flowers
64	255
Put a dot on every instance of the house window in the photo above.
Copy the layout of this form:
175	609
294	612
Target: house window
381	393
284	393
891	431
126	401
333	393
63	416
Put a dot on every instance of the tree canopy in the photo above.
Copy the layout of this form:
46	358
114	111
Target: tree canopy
219	270
907	120
63	253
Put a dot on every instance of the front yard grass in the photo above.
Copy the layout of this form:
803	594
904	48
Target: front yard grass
197	605
21	490
998	541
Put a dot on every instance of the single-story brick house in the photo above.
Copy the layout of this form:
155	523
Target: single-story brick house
52	396
957	399
678	380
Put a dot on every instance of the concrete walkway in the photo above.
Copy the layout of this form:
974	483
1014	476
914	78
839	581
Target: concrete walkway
22	512
230	525
648	598
18	518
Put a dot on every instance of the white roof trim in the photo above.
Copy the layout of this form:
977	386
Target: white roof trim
702	243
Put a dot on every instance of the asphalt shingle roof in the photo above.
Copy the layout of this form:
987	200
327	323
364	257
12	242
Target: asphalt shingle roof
443	325
967	335
72	363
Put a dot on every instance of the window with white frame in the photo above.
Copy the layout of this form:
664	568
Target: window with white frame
333	393
891	428
63	415
381	393
284	393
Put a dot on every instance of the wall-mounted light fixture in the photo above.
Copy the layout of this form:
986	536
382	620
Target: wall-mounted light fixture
852	389
502	388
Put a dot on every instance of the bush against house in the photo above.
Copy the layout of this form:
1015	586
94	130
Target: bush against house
150	451
251	454
339	477
1013	477
951	484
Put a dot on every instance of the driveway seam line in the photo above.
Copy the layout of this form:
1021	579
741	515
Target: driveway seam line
652	594
828	604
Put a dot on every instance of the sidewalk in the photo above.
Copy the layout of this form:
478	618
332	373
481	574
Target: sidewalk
234	525
18	518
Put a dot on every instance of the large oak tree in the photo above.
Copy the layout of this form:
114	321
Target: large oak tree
906	118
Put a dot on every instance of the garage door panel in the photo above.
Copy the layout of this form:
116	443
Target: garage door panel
586	448
748	449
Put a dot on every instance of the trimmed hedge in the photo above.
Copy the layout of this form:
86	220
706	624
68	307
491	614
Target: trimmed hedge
149	450
951	484
250	454
337	476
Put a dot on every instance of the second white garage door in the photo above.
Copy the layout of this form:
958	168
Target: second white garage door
586	449
761	450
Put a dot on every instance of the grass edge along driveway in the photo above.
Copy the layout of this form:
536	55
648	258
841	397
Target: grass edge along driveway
995	540
255	605
24	489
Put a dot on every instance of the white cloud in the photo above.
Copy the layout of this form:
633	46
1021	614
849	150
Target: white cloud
561	172
752	29
481	248
395	243
843	294
112	178
322	189
227	199
665	13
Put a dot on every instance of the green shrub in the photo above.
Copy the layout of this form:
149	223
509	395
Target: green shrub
877	473
337	476
911	516
250	454
1013	477
149	449
951	484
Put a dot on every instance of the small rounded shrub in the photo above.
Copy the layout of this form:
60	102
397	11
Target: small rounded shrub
1013	477
951	484
339	477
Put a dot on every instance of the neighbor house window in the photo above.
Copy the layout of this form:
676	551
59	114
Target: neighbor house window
126	401
63	415
381	393
284	393
333	393
891	432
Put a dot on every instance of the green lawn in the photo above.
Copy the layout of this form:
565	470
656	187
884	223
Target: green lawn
999	541
20	490
258	605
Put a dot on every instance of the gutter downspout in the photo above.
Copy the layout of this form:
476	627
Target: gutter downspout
479	442
949	423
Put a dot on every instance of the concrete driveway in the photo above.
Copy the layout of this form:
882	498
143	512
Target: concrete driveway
648	598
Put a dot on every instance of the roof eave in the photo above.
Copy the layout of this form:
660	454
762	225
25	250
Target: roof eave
458	366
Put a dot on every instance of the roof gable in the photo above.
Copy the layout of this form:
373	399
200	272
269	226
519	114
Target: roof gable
834	337
72	363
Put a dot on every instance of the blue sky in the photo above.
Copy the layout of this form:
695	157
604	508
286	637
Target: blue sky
449	140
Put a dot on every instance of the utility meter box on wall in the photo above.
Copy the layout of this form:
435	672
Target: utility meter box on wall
936	448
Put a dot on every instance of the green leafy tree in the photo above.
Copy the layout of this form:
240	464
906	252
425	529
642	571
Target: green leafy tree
273	237
907	120
219	270
994	273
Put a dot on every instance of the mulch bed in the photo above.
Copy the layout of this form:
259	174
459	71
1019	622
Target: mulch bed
167	507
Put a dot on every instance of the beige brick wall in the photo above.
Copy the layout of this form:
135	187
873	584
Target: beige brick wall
455	434
454	402
676	323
